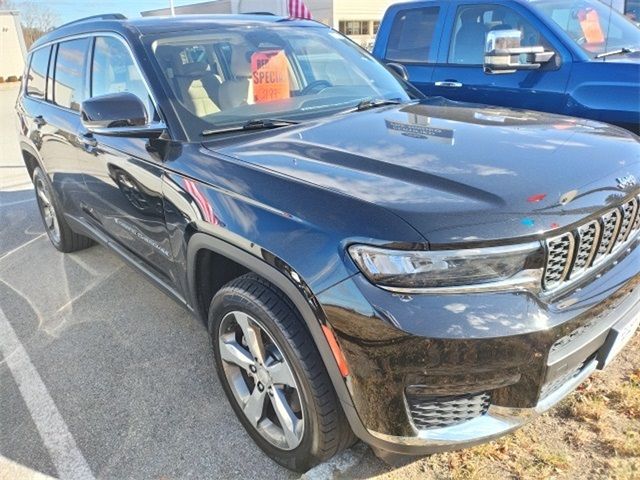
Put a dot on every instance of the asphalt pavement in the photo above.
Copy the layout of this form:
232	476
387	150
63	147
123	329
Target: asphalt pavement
101	374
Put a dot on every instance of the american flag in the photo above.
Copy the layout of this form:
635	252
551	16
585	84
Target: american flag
297	9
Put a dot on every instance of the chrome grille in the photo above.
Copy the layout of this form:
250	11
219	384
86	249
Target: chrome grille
610	223
439	412
573	254
629	211
560	250
587	244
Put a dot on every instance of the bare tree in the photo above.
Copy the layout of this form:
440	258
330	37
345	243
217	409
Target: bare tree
37	19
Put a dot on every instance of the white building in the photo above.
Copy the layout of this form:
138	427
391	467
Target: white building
358	19
12	47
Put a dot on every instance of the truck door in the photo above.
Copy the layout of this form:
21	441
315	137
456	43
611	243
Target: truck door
412	35
460	75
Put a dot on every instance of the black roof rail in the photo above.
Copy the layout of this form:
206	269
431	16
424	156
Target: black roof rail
104	16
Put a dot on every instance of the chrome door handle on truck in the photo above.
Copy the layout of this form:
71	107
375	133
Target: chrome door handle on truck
449	84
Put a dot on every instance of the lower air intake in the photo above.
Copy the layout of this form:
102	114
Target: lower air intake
438	412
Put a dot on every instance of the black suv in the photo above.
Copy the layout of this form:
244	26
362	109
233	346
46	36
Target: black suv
417	273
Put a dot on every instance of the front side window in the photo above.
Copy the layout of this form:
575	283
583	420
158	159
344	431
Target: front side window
69	73
228	76
113	71
595	27
411	35
37	77
472	24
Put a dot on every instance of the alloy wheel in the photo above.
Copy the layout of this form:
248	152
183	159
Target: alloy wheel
261	380
48	211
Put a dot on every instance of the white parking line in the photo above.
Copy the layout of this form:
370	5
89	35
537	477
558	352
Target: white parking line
53	430
11	252
17	202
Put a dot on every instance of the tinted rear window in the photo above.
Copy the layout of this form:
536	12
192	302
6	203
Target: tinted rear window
411	35
69	73
37	79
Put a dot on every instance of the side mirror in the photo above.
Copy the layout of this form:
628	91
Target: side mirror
503	53
399	69
117	114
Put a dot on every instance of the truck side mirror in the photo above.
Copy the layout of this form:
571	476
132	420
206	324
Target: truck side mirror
503	53
399	69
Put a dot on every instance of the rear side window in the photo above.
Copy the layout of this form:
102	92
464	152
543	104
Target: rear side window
69	73
411	35
37	78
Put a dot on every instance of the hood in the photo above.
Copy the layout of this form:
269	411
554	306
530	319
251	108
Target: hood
457	172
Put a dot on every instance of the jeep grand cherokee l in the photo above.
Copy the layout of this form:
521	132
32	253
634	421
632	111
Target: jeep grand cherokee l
414	272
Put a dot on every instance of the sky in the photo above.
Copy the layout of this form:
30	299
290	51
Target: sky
68	10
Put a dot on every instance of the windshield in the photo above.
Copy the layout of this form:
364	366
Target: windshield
594	26
229	76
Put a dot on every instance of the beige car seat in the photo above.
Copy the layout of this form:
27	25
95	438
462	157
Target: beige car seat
238	90
198	87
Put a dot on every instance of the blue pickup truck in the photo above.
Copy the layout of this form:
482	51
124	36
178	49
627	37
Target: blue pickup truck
573	57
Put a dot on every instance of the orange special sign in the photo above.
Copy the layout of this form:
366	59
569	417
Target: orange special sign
270	72
590	26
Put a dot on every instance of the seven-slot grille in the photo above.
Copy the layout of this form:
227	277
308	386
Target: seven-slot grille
572	254
440	412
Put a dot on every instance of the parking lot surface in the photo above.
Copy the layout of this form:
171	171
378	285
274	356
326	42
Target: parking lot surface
102	375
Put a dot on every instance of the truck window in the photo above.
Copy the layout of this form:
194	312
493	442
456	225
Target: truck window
69	73
594	26
411	36
472	24
37	77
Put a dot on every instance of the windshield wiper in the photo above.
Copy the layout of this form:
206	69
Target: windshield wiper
373	103
263	123
618	51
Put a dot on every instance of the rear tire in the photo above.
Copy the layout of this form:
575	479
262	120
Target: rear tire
253	305
57	228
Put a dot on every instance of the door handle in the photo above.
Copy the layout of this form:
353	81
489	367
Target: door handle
448	84
39	121
87	140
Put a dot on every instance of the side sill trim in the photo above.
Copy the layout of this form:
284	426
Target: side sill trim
85	228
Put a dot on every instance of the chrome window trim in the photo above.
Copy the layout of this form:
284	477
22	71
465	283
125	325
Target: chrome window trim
93	36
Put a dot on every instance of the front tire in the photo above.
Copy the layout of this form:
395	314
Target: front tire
57	228
273	375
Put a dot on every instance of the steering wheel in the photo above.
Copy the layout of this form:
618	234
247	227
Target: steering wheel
316	85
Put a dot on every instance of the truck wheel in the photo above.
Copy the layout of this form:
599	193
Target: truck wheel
273	375
59	232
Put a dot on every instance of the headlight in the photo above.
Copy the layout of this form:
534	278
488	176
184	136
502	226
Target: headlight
452	271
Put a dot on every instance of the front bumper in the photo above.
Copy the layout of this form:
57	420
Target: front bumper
525	352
